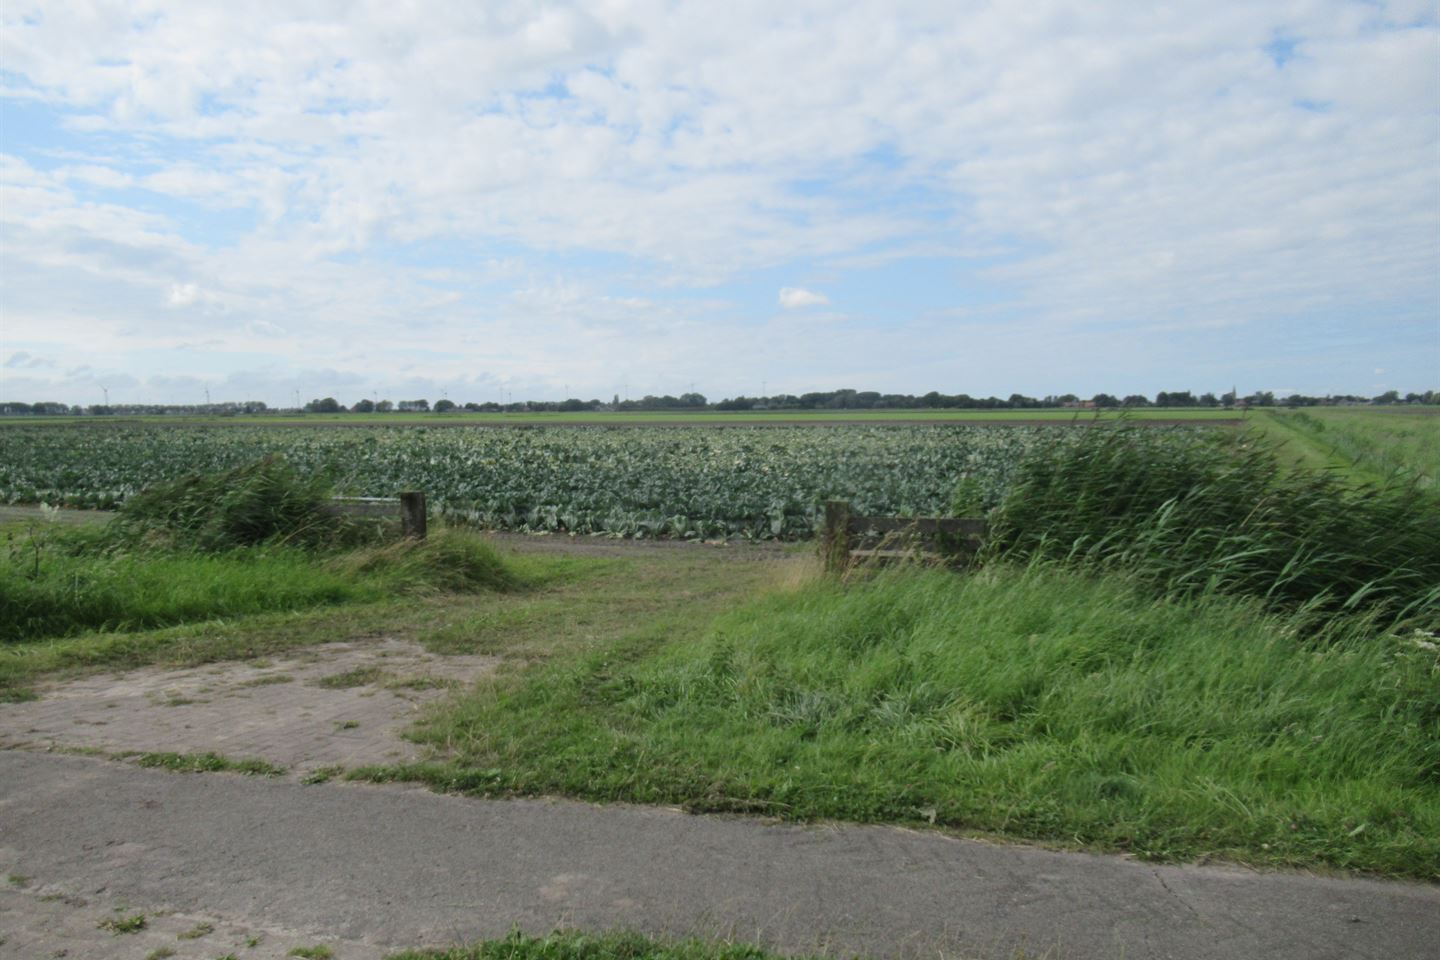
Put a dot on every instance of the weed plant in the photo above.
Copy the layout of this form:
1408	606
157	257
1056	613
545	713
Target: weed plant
1193	512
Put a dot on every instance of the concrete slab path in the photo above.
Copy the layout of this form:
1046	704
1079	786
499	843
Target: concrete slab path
373	868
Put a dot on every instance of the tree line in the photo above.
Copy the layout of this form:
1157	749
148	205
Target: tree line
826	400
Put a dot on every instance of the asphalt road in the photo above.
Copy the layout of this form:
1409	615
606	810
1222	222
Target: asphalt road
393	867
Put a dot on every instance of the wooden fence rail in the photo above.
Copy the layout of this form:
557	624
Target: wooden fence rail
848	537
408	508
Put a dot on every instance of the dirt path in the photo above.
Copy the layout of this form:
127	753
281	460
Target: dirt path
339	704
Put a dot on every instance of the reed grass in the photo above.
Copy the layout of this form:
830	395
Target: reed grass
1191	513
267	501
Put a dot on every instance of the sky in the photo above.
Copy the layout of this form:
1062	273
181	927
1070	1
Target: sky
493	201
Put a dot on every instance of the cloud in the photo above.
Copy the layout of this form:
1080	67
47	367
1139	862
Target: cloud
794	297
537	191
183	294
21	360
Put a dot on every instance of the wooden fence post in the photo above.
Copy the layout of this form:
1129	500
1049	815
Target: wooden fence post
836	542
412	514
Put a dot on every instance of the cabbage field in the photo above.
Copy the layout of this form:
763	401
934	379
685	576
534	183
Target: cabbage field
758	483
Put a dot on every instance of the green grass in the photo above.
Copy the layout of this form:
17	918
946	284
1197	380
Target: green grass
565	602
570	945
1375	444
123	925
320	952
1198	511
359	677
70	584
86	592
197	931
208	763
1030	702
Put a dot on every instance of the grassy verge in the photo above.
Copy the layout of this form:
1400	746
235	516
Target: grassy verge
68	584
1371	445
1032	702
582	946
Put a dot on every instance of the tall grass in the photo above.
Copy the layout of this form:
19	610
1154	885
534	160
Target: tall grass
1034	701
1201	512
98	591
267	501
77	581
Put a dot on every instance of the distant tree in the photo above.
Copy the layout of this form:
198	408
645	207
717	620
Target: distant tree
1389	396
1105	400
327	405
363	406
1135	400
692	399
414	406
1208	400
444	405
100	410
1300	400
384	406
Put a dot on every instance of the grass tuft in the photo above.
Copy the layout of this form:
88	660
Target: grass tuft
208	763
358	677
197	931
123	925
571	945
451	560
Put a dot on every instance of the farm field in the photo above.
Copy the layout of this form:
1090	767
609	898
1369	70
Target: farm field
697	484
